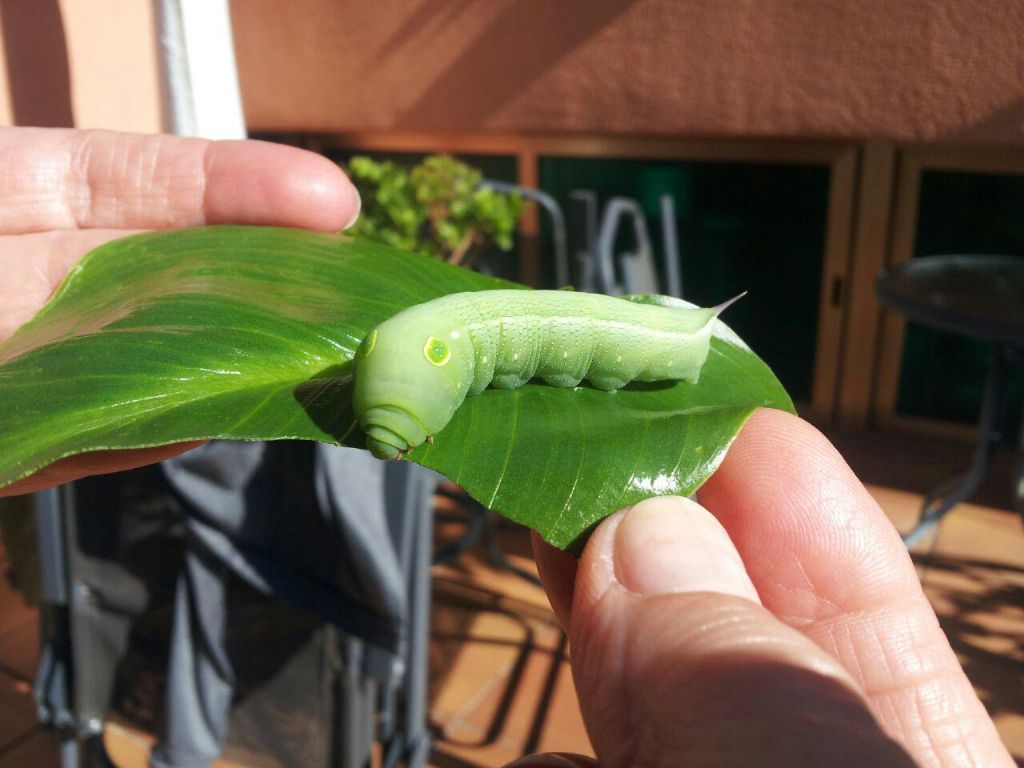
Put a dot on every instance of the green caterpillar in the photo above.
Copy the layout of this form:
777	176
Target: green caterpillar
415	369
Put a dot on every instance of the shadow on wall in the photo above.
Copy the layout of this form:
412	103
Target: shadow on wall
39	80
1003	121
490	81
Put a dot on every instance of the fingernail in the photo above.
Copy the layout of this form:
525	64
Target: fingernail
671	544
359	209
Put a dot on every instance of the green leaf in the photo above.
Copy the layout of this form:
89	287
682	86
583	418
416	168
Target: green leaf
248	333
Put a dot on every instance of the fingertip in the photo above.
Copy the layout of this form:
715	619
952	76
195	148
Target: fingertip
670	544
669	638
770	429
779	465
256	182
84	465
358	209
557	570
661	545
813	539
316	193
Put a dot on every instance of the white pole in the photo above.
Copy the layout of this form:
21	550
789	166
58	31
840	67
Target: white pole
200	77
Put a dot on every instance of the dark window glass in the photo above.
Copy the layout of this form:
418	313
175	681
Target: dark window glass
740	227
943	374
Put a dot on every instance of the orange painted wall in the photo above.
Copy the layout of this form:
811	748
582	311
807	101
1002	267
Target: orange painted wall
949	70
917	70
87	63
113	57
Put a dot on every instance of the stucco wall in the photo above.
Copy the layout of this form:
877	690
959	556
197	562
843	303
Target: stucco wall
88	63
949	70
113	58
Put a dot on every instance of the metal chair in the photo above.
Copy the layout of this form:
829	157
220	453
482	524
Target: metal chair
92	602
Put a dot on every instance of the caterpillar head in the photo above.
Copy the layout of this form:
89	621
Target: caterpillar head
410	377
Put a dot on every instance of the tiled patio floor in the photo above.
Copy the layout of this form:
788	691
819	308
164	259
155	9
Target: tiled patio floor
500	682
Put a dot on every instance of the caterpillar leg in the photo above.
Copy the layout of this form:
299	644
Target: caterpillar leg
607	383
507	381
391	431
562	380
383	450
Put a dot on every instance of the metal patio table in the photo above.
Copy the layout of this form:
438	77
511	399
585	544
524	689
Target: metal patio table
978	296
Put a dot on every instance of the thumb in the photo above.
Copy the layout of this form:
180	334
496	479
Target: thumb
675	659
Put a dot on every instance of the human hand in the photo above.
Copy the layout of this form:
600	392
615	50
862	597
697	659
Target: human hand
65	192
788	629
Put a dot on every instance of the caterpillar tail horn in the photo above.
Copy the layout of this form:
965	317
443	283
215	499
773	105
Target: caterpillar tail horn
720	308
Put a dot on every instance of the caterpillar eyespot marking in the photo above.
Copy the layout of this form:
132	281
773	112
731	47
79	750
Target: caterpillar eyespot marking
411	387
368	343
436	352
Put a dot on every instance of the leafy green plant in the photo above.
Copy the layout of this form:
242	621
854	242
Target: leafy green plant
437	208
248	333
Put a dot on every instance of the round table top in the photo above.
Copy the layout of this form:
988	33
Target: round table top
980	296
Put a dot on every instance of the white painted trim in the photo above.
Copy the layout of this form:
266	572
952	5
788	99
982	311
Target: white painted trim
200	76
